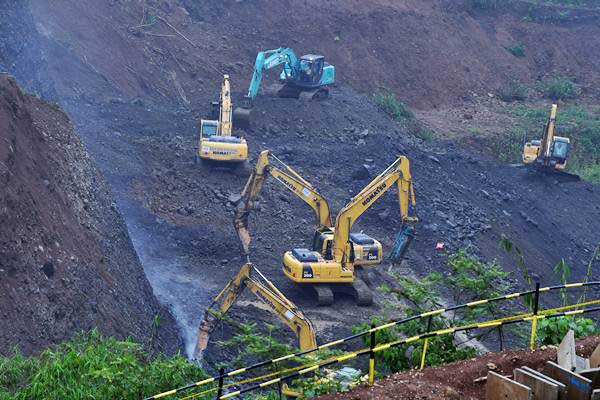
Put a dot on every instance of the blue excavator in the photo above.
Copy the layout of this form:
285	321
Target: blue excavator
306	77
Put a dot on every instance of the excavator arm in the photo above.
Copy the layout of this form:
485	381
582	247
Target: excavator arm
399	173
249	276
226	109
269	59
548	135
285	175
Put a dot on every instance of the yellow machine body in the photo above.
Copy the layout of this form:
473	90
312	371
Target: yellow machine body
549	152
216	142
310	267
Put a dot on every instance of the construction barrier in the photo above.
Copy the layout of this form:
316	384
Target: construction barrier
302	370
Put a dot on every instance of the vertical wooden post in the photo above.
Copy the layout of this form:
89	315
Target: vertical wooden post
536	303
372	357
220	390
425	343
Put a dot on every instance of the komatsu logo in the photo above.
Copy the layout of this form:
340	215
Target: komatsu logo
287	183
374	194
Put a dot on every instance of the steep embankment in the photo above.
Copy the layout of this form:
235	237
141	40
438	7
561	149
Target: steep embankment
432	52
66	261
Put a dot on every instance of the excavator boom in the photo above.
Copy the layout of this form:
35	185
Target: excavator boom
249	276
398	172
290	179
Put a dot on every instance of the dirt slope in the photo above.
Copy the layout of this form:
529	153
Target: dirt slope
432	52
66	261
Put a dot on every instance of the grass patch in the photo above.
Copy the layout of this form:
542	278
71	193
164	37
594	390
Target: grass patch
388	102
514	91
91	366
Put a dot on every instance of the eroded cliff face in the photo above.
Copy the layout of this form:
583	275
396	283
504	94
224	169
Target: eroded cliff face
66	261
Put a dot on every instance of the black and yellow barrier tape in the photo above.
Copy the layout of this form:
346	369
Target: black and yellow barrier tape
367	332
386	346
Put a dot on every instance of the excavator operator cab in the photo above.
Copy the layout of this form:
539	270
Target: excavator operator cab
311	69
560	149
208	128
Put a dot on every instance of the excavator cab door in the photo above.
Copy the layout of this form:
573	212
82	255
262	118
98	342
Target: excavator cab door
311	69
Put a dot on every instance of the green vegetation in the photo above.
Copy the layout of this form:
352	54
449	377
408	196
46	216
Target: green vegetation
508	146
552	331
257	346
517	50
388	102
468	279
91	366
559	87
514	91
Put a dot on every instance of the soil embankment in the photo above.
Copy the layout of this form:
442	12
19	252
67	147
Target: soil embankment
66	261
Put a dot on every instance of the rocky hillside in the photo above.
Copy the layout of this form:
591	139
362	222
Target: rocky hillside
66	260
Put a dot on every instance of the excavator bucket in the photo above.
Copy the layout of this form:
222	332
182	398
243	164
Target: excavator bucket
242	116
403	239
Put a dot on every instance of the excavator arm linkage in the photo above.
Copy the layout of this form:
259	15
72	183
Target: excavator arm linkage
249	276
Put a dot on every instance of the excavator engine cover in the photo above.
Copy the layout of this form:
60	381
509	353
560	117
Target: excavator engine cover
305	255
361	238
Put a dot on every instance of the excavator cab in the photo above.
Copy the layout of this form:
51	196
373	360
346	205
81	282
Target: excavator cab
311	69
559	151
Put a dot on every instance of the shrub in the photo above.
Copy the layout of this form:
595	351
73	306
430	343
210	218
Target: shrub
91	366
388	102
560	88
514	91
552	331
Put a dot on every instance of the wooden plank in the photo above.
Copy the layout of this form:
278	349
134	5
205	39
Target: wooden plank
578	387
562	388
501	388
566	355
593	375
595	358
541	389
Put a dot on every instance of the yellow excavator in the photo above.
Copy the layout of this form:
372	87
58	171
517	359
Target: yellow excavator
367	250
336	270
250	277
216	143
550	153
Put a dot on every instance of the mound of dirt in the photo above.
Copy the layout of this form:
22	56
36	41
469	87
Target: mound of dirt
458	380
66	260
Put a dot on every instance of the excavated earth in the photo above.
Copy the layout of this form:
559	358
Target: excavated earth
137	76
66	262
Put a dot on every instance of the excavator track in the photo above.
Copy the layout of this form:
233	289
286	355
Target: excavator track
362	293
324	294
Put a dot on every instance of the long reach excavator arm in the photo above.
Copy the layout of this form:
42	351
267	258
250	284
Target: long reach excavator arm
399	173
250	277
290	179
